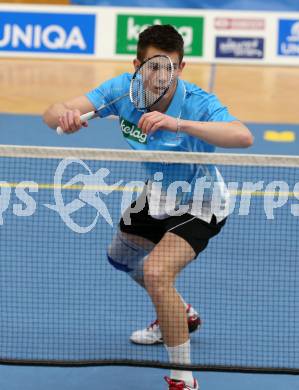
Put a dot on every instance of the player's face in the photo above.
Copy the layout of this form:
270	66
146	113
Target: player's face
178	67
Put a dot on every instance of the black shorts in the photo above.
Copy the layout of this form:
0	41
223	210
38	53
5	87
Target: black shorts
192	229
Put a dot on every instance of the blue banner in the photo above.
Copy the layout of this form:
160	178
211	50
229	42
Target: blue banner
288	38
47	32
239	47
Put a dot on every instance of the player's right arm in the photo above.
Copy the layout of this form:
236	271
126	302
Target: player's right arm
67	114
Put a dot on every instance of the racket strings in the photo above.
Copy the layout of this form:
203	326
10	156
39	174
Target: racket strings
151	82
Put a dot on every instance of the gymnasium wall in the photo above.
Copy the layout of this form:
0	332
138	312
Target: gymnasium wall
49	2
269	5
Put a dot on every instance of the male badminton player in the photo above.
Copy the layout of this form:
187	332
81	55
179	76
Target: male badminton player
155	247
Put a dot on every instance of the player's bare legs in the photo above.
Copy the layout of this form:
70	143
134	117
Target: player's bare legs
129	252
162	266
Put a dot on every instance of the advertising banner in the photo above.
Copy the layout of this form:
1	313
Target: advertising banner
288	37
111	33
38	32
129	27
239	47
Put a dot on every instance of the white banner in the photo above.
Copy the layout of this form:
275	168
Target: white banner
266	38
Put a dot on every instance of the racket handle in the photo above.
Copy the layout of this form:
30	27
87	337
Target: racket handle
83	118
59	130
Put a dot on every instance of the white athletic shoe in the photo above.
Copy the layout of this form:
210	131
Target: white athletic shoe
152	334
180	385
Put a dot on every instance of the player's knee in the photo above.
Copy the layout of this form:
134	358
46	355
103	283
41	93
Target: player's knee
116	255
156	279
126	256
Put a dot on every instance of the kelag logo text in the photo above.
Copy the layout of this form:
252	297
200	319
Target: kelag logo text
130	26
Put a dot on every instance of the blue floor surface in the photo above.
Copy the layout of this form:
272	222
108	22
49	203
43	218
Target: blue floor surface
104	133
124	378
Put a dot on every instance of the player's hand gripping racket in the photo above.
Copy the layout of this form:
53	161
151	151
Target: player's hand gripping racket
149	84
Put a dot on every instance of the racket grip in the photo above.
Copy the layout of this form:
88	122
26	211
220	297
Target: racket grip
83	118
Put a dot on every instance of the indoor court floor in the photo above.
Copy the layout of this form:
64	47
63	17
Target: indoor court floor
264	97
252	93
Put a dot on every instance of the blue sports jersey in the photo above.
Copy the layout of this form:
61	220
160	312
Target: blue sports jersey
189	102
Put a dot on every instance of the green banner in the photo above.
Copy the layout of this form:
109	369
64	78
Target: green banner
130	26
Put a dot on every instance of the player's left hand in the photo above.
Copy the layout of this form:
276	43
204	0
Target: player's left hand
152	121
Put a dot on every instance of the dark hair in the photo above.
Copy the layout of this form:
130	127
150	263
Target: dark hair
164	37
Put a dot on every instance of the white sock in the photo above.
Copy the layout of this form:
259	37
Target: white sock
181	355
